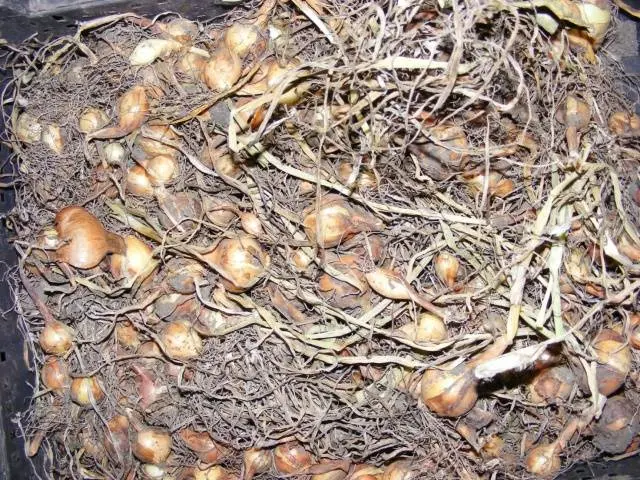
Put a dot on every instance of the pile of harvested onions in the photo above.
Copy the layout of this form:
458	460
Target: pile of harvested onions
331	240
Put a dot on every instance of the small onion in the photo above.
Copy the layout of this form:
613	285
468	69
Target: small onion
543	460
154	138
181	29
365	179
192	65
151	445
241	38
219	212
136	260
127	335
223	70
553	384
148	390
251	224
161	169
208	451
364	471
430	329
56	338
389	284
300	261
116	437
52	138
180	211
241	261
212	473
147	51
149	351
54	374
181	341
92	119
277	74
446	267
450	151
86	390
154	472
596	15
133	108
182	276
634	331
27	128
255	460
114	153
335	221
498	186
138	182
575	115
86	242
614	361
449	393
291	459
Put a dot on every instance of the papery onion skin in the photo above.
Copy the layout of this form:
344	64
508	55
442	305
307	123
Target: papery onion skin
154	139
137	258
291	459
133	108
54	374
86	390
181	341
86	242
543	460
162	169
446	267
52	138
138	182
223	70
114	153
56	338
553	384
152	445
241	38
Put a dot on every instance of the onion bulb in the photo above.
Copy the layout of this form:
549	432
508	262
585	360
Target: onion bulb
575	115
212	473
147	51
450	150
335	221
86	390
116	437
223	69
27	128
363	180
86	242
138	182
300	261
182	278
127	335
449	393
181	29
553	384
255	460
364	471
180	211
92	119
152	445
56	338
149	391
114	153
161	169
241	261
153	140
241	38
623	124
430	329
251	224
543	460
614	361
192	65
136	260
207	450
181	341
291	459
274	76
596	15
498	185
52	138
54	374
154	472
219	212
133	108
634	331
389	284
446	267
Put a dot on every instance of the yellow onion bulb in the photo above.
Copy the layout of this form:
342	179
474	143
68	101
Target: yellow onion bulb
92	120
400	470
114	153
208	451
446	267
138	182
181	341
251	224
223	70
430	329
449	393
543	460
241	261
215	472
56	338
162	169
27	128
624	124
240	38
331	225
552	384
154	139
255	461
116	437
86	242
277	74
181	29
614	361
148	50
387	283
192	65
137	258
52	138
597	16
154	472
86	390
291	459
364	471
152	445
54	374
300	261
